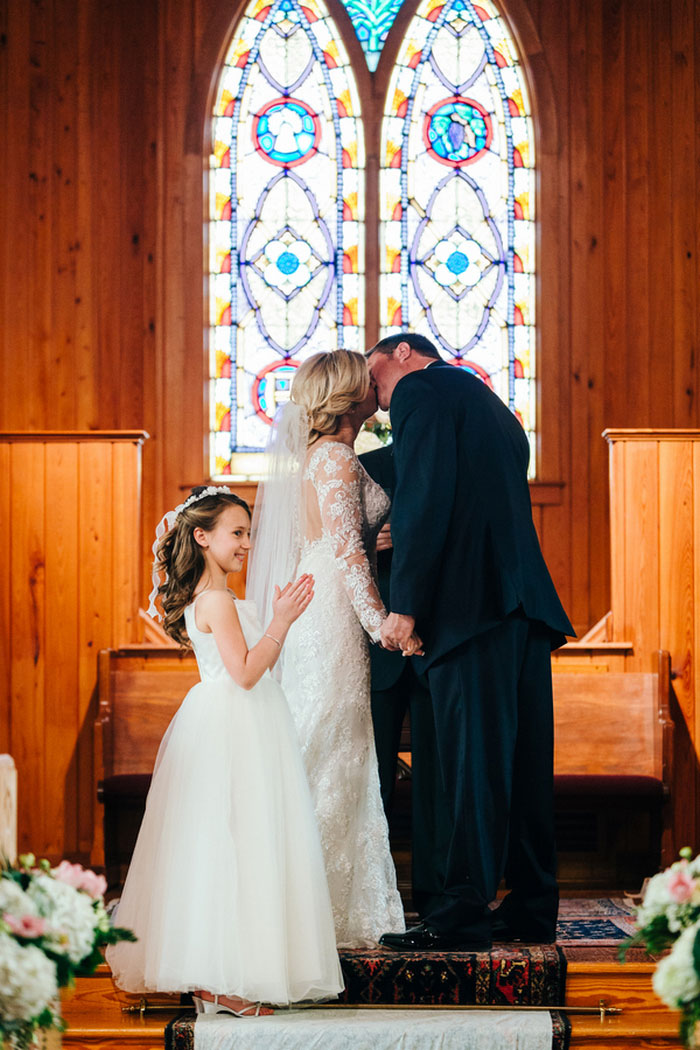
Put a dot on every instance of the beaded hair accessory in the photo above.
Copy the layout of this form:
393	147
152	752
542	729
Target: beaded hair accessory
166	523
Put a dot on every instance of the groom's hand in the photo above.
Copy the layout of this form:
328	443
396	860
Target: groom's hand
397	630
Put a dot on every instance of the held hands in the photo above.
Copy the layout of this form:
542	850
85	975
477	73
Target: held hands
290	602
384	542
397	632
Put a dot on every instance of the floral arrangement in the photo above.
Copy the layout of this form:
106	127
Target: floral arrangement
669	917
53	924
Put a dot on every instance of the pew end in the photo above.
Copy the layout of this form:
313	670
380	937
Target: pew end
613	770
140	688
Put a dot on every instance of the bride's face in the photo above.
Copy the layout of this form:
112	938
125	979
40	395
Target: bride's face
368	406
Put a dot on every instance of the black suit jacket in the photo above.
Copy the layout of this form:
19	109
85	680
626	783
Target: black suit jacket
386	666
466	553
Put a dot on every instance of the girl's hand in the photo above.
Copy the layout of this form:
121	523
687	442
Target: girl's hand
290	602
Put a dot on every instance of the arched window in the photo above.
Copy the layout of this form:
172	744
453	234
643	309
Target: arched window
288	185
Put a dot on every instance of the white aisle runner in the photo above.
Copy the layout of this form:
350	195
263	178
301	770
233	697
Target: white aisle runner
342	1028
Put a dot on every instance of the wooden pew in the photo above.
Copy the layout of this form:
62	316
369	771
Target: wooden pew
614	747
613	744
139	690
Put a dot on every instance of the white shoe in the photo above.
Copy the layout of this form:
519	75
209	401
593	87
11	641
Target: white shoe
213	1006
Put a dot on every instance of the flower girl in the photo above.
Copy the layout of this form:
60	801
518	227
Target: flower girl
226	891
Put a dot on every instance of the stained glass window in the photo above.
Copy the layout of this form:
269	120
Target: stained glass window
286	240
457	196
288	184
372	20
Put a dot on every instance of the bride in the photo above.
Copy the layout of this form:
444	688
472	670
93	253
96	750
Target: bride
320	513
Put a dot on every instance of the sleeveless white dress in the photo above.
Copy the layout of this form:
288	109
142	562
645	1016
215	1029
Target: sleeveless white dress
326	679
226	890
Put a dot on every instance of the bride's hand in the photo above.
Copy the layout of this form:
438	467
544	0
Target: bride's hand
291	600
414	647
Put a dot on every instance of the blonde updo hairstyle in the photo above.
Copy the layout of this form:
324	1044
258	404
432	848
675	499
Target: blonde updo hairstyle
327	385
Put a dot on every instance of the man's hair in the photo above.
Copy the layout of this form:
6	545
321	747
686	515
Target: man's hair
416	342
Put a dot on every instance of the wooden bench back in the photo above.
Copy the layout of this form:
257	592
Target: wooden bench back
140	690
612	724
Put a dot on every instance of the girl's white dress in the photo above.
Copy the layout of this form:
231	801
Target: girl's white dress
226	890
327	682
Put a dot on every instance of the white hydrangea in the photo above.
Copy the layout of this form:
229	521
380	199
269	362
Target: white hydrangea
70	915
675	979
14	901
27	980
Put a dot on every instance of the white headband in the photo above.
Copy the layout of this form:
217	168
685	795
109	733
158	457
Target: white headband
165	524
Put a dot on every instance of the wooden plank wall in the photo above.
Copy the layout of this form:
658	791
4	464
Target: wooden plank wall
103	109
69	564
655	551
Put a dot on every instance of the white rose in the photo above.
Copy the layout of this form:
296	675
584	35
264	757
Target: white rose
675	979
70	915
27	980
14	900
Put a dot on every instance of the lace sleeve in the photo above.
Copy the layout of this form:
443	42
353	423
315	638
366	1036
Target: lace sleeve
335	474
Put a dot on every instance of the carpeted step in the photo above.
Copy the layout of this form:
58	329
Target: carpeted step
347	1028
508	976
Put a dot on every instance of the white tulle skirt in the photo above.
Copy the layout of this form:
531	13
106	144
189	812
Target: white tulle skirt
227	890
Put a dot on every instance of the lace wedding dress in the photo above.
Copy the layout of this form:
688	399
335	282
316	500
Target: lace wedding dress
326	681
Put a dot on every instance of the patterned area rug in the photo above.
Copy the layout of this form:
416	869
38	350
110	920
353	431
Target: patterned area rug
599	922
512	976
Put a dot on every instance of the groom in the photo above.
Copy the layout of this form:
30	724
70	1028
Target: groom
468	574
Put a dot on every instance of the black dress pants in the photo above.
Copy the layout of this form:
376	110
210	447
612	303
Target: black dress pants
429	829
492	701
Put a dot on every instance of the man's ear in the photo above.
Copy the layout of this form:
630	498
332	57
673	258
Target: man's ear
402	352
200	537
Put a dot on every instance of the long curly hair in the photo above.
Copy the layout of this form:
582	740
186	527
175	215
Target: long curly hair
180	557
327	385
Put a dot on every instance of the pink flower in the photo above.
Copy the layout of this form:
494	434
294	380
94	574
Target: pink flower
681	886
80	878
93	884
28	926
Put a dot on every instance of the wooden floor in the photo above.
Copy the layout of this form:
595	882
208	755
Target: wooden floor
95	1017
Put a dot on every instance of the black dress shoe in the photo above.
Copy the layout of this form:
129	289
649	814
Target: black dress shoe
502	931
425	938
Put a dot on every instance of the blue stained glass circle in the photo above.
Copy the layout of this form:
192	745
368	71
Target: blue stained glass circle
286	132
457	131
457	262
288	262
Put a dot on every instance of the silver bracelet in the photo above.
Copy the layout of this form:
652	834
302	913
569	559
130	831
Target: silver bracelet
266	635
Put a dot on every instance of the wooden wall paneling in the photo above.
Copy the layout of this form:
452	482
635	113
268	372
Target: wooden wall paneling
16	251
584	339
95	626
676	568
660	229
86	348
28	580
618	540
41	208
684	192
61	189
696	593
639	571
61	725
633	390
595	316
106	73
677	573
6	624
126	537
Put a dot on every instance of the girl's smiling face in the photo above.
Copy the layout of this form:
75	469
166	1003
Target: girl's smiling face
227	544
